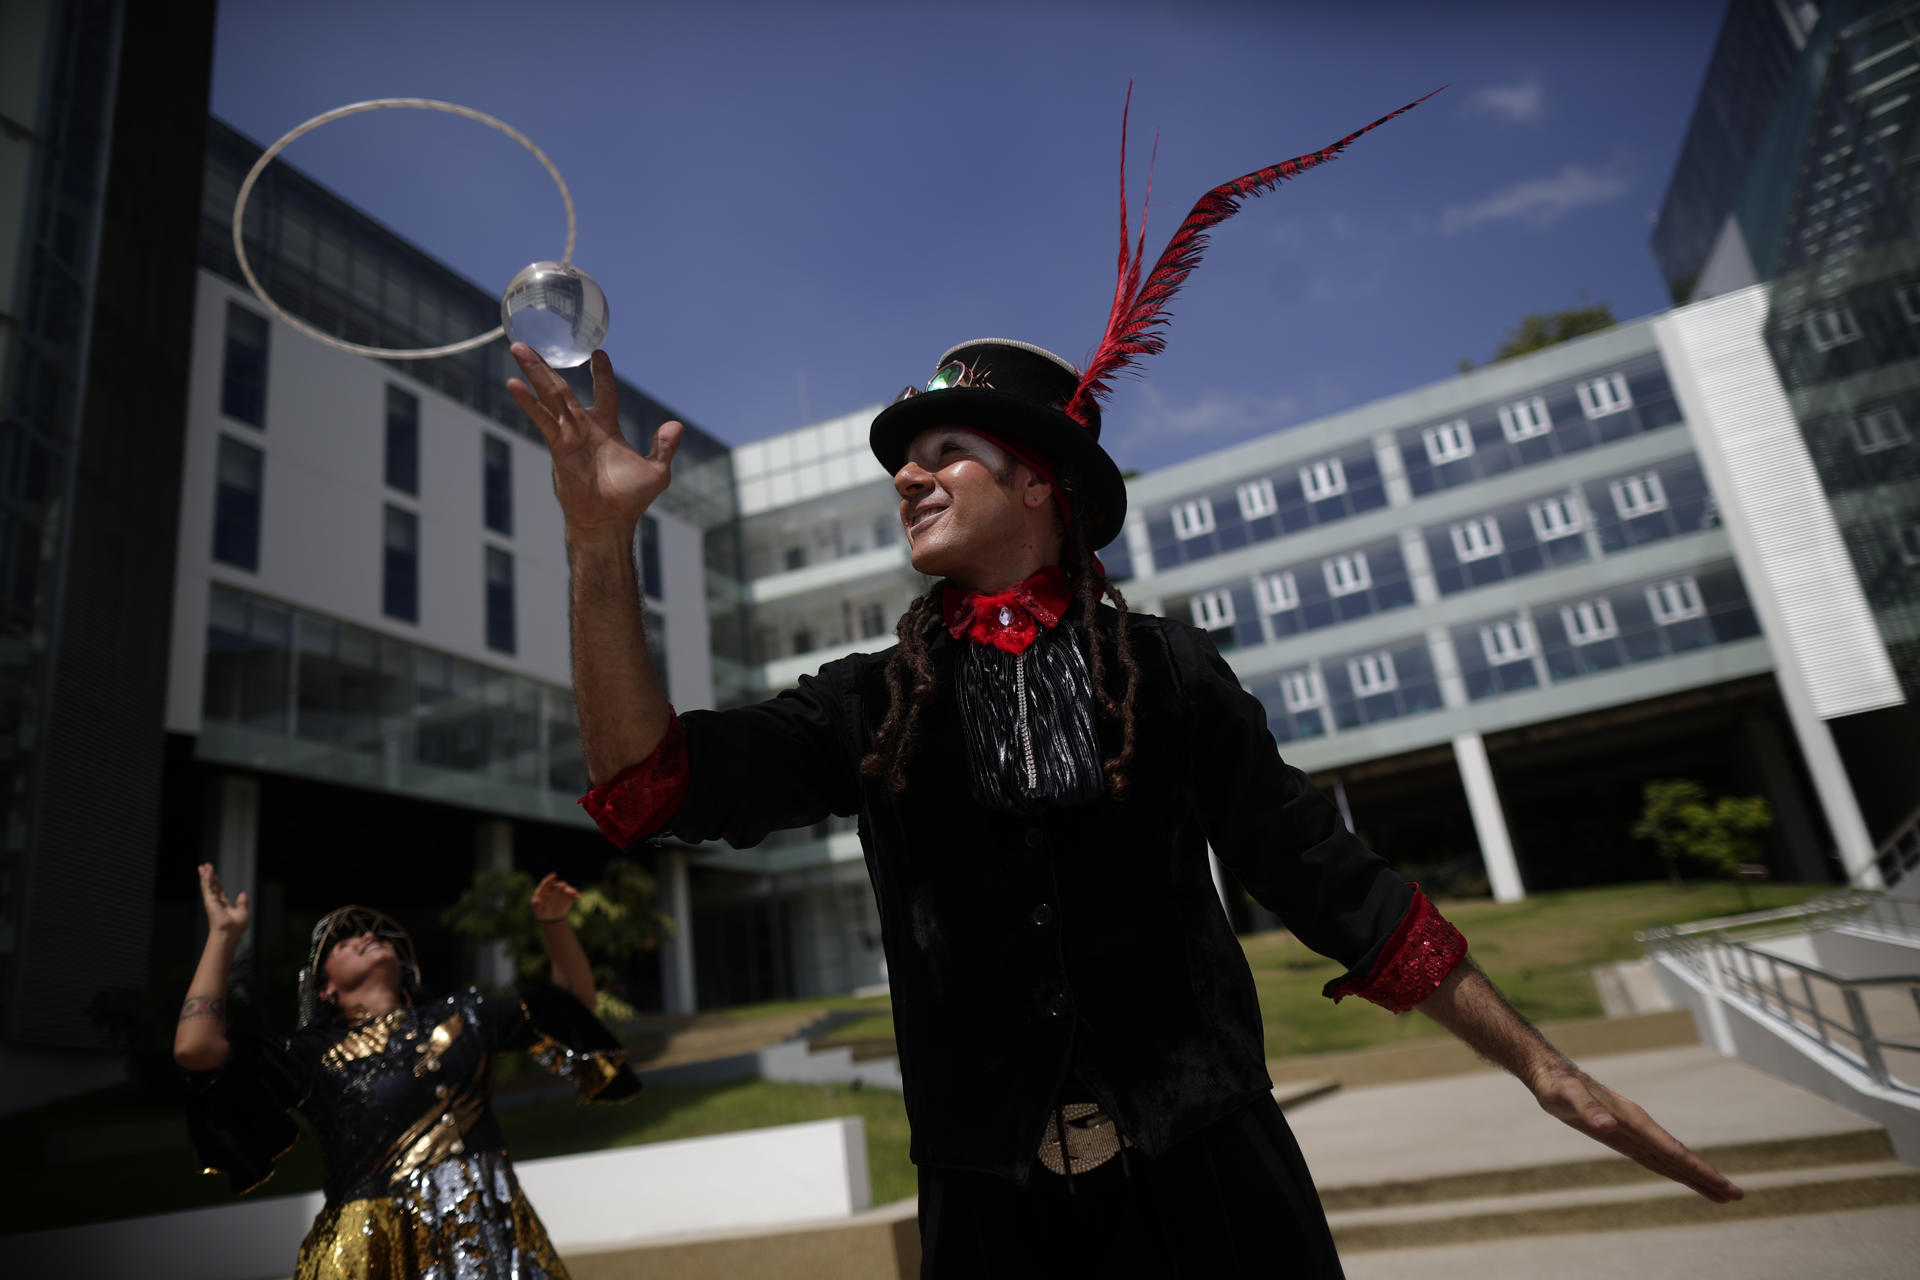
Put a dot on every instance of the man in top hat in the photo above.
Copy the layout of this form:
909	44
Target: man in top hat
1038	775
1037	779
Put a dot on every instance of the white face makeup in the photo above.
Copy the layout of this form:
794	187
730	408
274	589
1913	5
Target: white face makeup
964	517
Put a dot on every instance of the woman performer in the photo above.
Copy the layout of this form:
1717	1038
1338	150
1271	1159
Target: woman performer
396	1086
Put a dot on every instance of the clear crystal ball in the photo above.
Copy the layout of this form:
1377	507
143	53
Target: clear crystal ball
558	310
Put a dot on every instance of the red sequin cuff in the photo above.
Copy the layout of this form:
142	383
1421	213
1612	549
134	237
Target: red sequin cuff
641	799
1415	961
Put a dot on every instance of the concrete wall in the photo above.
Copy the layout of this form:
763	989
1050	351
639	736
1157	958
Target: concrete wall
608	1200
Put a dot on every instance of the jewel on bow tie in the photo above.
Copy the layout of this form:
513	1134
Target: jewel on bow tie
1009	620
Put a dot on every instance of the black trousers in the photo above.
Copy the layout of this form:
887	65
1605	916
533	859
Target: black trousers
1235	1199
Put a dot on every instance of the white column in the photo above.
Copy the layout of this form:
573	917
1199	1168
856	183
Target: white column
1393	470
1413	549
676	962
234	801
493	851
1829	657
1446	667
1140	547
1489	821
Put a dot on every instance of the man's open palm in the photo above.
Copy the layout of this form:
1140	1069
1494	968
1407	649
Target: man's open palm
600	479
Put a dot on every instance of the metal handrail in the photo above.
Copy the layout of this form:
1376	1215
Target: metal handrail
1732	964
1900	854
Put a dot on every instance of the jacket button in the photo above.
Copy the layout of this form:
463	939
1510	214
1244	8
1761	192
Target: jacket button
1042	914
1060	1005
1035	837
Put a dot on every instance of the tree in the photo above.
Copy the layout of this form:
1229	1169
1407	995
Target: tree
1721	834
1538	330
617	918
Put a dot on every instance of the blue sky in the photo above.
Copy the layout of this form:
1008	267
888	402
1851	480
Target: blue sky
794	208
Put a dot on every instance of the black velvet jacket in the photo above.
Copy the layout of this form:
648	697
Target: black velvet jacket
1088	940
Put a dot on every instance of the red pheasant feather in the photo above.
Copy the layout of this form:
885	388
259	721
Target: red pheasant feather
1136	325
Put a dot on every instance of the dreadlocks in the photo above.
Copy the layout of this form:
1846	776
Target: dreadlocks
899	735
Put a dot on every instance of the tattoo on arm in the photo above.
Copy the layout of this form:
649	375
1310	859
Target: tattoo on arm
204	1007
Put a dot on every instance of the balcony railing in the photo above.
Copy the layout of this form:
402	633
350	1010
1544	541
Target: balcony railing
1871	1023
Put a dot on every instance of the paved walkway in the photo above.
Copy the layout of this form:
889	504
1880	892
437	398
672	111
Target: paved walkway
1866	1244
1488	1121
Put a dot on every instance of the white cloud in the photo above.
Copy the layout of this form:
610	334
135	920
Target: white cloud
1539	202
1522	103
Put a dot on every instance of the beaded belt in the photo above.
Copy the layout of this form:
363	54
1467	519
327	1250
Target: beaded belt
1090	1137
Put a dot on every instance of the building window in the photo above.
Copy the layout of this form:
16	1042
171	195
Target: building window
236	504
1603	396
1910	542
1881	429
1191	519
1476	539
497	458
1832	328
1640	495
1323	479
885	530
1909	296
1373	673
243	379
802	640
1448	442
400	570
1675	601
1278	592
1589	622
1348	574
1256	499
1510	640
403	441
649	560
500	629
1302	691
873	619
1213	610
1524	419
796	558
1555	518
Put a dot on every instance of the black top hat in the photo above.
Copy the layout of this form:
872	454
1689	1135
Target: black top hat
1017	392
1034	400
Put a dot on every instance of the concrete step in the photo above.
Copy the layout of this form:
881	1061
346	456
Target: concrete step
1860	1244
1737	1160
1638	1205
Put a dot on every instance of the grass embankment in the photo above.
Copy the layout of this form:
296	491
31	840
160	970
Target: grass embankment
1539	951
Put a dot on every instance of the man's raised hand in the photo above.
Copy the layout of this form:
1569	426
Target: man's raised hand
602	482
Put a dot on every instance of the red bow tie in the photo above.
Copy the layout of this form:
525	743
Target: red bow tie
1010	619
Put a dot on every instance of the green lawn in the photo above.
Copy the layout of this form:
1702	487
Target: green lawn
1538	951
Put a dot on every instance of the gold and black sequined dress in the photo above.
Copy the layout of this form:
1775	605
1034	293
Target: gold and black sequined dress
418	1184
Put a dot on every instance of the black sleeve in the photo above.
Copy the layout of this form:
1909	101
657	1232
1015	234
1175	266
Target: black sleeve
239	1115
1283	840
563	1036
786	762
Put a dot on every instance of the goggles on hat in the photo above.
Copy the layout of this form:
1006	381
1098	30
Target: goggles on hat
953	373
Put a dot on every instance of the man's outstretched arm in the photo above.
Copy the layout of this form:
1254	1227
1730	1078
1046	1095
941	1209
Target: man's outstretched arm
604	486
1470	1006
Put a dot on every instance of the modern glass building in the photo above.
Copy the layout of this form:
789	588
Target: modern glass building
1826	211
1753	64
369	687
1483	614
101	105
